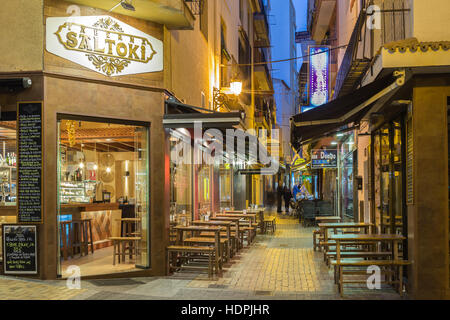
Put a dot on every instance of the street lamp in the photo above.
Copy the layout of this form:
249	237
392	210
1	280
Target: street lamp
236	87
220	98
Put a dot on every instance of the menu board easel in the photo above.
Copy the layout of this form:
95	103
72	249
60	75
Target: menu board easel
19	249
29	164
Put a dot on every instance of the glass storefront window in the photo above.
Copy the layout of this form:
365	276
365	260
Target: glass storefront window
204	190
180	190
385	183
8	166
388	173
8	175
377	177
103	195
346	175
225	186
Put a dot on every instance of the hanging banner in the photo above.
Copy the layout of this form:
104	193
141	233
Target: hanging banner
104	44
319	74
323	159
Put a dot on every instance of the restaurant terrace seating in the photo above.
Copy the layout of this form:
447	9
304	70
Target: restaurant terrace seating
351	250
210	243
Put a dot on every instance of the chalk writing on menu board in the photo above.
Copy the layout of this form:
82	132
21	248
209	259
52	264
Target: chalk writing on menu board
30	162
19	249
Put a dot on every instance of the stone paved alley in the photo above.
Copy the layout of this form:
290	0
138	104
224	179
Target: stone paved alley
280	266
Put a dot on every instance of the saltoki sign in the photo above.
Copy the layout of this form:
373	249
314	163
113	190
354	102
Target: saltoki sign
104	44
323	158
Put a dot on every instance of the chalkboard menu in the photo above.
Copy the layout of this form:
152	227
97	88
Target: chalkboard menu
19	249
29	133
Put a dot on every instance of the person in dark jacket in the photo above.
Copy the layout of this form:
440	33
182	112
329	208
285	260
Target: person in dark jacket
287	198
279	197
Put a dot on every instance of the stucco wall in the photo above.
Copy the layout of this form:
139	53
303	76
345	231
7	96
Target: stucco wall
22	35
431	20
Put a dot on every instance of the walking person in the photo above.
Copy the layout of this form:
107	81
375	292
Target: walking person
279	196
287	198
296	191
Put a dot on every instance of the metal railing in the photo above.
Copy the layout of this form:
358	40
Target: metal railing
370	34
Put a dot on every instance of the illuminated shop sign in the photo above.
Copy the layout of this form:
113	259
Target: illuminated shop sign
306	108
319	70
104	44
323	159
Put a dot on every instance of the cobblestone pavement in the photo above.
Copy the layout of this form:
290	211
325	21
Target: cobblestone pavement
279	266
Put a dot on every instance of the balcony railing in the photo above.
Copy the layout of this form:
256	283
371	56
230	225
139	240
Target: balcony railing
388	21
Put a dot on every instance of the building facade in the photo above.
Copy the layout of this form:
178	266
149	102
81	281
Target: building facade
110	83
283	28
390	98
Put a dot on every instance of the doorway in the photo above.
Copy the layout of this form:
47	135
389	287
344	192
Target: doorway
103	196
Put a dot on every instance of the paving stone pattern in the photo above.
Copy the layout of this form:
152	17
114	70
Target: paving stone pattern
282	265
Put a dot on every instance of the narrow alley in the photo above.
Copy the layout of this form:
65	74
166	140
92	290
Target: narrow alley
282	266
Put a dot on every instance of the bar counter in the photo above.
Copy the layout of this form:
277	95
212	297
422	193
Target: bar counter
103	217
8	210
86	207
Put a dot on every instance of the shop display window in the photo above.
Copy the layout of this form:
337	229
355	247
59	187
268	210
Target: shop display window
103	195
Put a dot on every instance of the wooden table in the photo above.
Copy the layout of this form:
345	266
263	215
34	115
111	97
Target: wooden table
218	223
260	213
394	239
250	216
330	219
197	229
356	238
339	225
236	221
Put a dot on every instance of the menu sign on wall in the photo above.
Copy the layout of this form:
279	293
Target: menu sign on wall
29	133
323	159
19	249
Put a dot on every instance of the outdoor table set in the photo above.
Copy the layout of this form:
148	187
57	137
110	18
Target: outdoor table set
216	240
353	251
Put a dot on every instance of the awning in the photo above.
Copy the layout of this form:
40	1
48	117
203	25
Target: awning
179	115
344	110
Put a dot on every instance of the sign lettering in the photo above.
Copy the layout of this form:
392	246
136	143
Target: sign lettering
104	44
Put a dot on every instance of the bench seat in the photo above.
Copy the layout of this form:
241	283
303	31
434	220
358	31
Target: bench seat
210	251
396	277
364	263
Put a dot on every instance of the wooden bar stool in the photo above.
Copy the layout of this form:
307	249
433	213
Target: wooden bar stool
66	239
88	240
77	237
123	244
82	236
